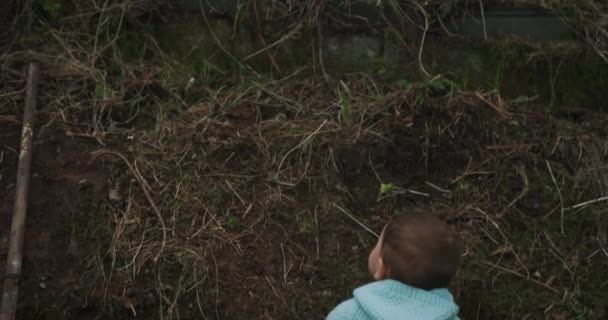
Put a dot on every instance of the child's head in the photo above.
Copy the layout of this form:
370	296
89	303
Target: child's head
418	250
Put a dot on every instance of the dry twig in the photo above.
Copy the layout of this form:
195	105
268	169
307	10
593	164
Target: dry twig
515	273
348	214
561	199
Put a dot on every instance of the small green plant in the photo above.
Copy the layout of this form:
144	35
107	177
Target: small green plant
404	84
345	108
442	84
389	190
161	117
498	76
102	91
386	188
306	225
231	222
462	189
463	186
419	98
51	8
381	71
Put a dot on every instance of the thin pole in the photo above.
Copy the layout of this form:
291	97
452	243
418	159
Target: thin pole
15	251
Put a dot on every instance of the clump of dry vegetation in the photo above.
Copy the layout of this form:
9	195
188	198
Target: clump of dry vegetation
249	196
594	22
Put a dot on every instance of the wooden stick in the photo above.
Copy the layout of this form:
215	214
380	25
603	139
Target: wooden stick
10	291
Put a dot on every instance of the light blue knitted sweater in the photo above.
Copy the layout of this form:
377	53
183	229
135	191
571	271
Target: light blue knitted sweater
393	300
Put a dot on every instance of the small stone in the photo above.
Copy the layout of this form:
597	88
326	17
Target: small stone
280	117
42	285
82	181
190	83
447	195
326	293
114	194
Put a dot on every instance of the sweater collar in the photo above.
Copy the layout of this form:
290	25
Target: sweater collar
391	299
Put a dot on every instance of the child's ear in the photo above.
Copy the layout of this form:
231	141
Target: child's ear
381	271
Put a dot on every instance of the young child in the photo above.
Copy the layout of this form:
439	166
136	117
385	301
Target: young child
413	262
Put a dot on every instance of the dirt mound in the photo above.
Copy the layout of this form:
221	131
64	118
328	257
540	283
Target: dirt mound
160	192
253	207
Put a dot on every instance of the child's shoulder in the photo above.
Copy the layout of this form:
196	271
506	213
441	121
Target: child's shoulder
390	299
347	310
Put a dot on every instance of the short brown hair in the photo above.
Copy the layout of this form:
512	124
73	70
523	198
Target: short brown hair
421	251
